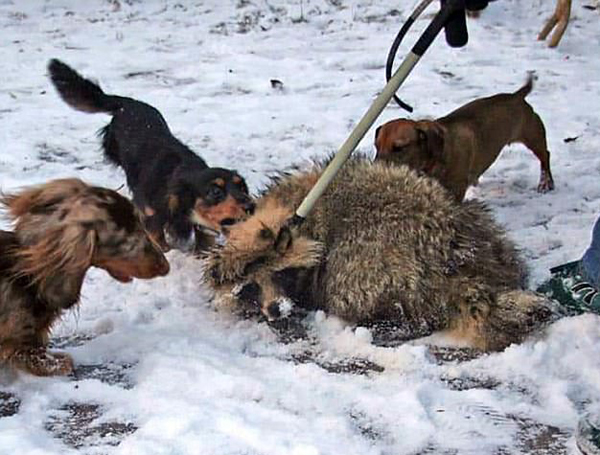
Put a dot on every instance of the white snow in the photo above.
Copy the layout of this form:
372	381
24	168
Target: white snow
202	382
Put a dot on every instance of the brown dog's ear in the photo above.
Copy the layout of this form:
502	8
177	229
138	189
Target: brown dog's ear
283	242
431	137
377	133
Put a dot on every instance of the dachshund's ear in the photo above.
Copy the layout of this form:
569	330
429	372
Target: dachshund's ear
431	136
284	240
42	199
56	249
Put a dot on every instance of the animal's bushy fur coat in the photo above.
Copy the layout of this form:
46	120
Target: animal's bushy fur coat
381	243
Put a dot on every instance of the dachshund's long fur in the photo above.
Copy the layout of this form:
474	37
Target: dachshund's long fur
173	188
61	229
382	243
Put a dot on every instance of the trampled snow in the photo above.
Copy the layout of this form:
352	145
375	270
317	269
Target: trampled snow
190	380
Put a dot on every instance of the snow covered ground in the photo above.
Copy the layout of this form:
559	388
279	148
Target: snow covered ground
158	369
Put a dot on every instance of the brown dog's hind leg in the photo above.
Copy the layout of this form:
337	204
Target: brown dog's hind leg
40	362
534	138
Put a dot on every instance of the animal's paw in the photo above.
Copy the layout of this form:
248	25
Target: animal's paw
546	183
40	362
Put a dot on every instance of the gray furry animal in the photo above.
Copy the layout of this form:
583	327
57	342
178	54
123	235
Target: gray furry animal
382	243
61	229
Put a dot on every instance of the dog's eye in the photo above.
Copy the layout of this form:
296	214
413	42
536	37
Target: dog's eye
215	193
398	148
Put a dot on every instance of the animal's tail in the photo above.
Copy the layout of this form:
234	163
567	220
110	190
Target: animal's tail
526	89
80	93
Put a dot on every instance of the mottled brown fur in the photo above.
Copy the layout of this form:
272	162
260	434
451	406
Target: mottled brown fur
61	229
382	243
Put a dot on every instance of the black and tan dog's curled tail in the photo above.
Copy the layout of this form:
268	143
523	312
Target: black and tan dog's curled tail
78	92
526	89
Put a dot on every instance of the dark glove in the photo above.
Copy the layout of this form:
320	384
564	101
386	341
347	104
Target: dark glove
456	26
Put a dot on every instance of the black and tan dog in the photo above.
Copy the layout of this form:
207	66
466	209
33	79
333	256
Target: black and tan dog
458	148
172	187
61	229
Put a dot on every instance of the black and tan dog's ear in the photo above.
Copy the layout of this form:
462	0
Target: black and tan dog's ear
431	136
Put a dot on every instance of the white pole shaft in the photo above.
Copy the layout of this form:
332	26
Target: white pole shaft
357	134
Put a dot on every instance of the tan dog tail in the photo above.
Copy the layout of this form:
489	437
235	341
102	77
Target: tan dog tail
526	89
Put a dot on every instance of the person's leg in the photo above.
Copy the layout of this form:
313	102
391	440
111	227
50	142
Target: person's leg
590	262
576	285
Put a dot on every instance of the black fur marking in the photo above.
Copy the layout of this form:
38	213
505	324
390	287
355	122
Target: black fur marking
121	212
250	293
294	282
266	234
283	240
255	265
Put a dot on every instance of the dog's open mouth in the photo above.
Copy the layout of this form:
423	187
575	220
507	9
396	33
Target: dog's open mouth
204	223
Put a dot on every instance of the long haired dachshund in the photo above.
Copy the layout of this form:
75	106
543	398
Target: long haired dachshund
61	229
172	186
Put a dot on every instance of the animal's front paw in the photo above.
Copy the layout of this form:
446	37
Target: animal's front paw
40	362
546	183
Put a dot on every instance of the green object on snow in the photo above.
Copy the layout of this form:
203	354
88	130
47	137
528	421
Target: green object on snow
588	437
568	286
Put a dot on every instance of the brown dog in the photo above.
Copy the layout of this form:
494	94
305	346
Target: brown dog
61	229
458	148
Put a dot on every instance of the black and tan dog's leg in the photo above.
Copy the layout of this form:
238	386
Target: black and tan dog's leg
155	229
203	241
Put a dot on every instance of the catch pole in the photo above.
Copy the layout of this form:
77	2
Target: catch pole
449	7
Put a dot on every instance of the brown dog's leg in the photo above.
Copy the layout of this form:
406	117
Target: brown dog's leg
534	138
40	362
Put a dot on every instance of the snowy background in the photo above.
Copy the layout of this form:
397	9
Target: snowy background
158	370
